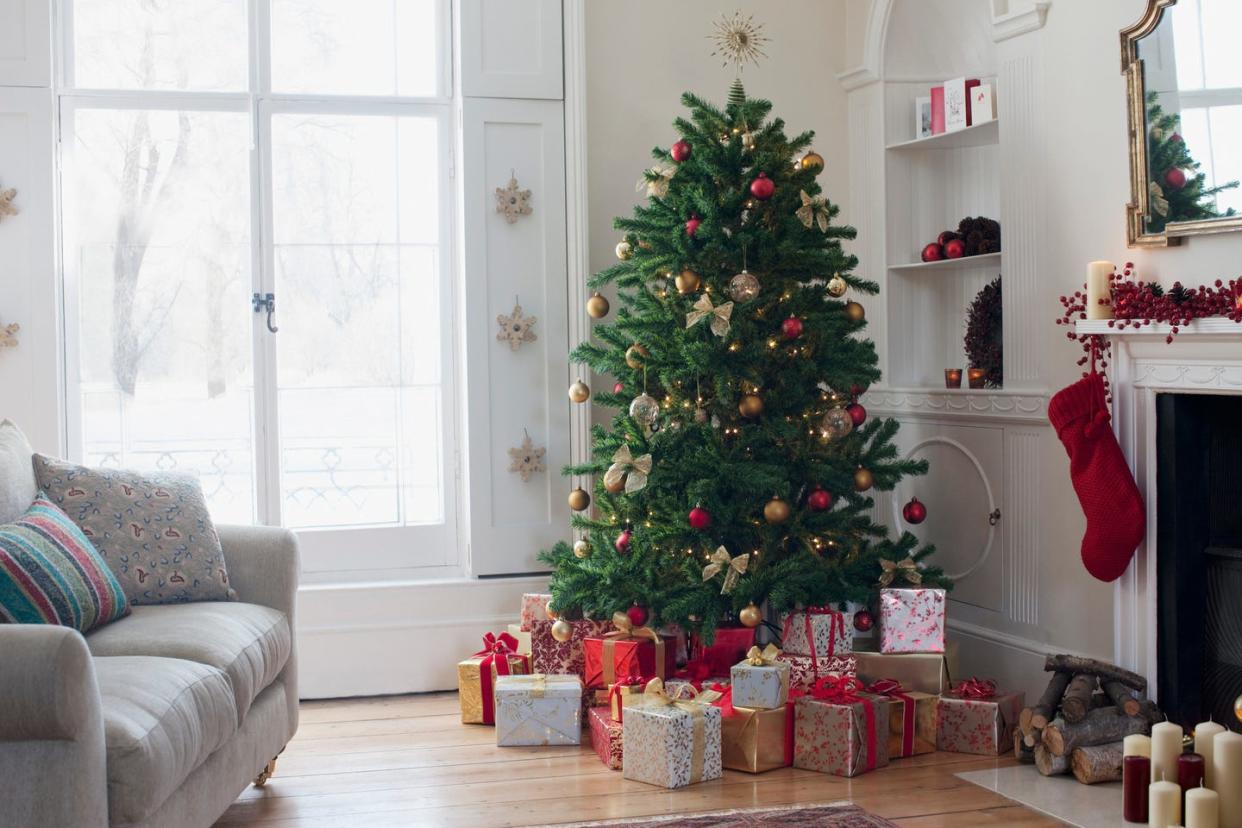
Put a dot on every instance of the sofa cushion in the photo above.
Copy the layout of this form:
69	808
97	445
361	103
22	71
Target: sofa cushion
153	529
51	574
248	643
17	479
162	718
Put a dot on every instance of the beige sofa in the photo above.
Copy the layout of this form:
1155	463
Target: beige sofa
161	718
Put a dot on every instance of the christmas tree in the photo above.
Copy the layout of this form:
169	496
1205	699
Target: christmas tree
737	469
1175	189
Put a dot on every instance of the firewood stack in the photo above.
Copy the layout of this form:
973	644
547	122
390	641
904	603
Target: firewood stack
1079	722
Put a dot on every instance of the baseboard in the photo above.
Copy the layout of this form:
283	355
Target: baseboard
1012	661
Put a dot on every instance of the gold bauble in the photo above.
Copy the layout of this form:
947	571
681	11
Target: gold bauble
837	286
562	630
750	616
614	484
625	250
597	307
688	282
550	611
776	511
636	355
863	479
813	161
1237	708
855	312
579	392
579	499
582	548
750	406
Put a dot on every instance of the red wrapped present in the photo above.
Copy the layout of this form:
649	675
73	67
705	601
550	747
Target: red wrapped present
627	652
839	730
818	632
553	657
974	718
476	676
606	737
728	647
911	718
805	670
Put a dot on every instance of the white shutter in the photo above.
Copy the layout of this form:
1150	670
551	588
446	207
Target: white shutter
25	43
511	49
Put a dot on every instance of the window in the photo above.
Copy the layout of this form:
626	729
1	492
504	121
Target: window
218	151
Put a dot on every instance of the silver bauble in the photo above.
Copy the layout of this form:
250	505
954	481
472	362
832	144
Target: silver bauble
837	423
743	287
644	409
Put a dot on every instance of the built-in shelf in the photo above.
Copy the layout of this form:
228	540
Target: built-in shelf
1199	327
972	136
949	264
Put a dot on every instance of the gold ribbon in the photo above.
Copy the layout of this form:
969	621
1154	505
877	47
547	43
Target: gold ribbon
907	569
626	467
654	695
733	568
814	210
626	631
538	684
655	180
719	315
763	658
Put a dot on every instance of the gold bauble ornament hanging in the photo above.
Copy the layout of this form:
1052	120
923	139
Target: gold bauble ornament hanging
636	355
597	307
579	499
863	479
625	250
813	161
579	392
688	282
582	548
750	406
855	312
750	616
776	511
550	611
1237	708
614	484
837	286
562	630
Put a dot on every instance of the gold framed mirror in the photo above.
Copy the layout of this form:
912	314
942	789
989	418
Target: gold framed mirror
1183	75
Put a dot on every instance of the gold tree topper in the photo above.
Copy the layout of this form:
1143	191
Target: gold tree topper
739	40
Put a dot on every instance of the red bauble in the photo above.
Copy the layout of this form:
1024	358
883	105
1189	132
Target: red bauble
954	249
680	150
1175	178
857	390
699	518
914	511
933	252
637	615
946	237
692	225
762	187
792	327
857	413
863	620
819	500
623	541
618	388
1176	138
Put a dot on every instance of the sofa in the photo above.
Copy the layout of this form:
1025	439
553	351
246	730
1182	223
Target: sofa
161	718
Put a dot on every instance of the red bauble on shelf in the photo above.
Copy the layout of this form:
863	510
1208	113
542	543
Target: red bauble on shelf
622	543
914	512
933	252
1175	178
819	500
637	615
680	150
762	187
692	225
954	249
945	237
863	621
857	413
792	327
699	518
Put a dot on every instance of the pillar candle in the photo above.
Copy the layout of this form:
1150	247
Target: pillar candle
1164	805
1205	734
1166	746
1135	779
1099	287
1136	744
1202	808
1227	756
1189	771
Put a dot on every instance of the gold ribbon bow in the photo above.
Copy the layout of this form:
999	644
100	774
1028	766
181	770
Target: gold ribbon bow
654	695
1156	196
814	210
761	658
719	315
626	630
655	180
626	467
907	569
733	568
538	684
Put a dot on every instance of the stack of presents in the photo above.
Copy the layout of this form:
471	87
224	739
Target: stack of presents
671	712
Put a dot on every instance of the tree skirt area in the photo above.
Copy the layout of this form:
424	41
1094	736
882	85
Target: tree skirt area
840	815
1062	797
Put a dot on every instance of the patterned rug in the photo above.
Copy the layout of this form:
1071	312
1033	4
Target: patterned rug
798	816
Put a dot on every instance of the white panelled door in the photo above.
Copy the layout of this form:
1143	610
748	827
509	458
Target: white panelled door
513	49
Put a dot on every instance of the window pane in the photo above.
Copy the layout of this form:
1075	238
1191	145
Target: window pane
356	47
158	232
358	273
199	45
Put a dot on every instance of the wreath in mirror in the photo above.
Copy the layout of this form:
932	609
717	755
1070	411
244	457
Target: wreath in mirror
983	339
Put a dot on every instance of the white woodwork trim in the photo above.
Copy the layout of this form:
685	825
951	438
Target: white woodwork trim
1026	646
481	29
1011	19
33	66
872	67
1002	405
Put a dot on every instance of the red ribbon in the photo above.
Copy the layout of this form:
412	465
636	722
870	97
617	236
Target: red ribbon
696	672
844	690
790	718
614	690
975	688
504	646
893	689
836	626
725	702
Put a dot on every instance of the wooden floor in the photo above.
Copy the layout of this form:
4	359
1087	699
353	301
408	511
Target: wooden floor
408	761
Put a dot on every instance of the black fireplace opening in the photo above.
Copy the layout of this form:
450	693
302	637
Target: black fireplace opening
1199	555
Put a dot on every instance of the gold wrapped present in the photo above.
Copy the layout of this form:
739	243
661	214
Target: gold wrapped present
912	718
924	672
755	740
617	696
476	677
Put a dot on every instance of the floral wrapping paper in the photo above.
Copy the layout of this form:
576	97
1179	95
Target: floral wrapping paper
470	686
924	672
833	738
764	686
912	722
631	658
547	655
804	670
830	634
912	620
727	648
534	608
538	710
660	745
981	726
606	737
523	638
753	740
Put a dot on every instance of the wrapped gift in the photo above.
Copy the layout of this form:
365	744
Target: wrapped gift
974	718
924	672
538	710
605	736
728	647
627	652
840	730
523	638
754	740
534	608
805	670
671	742
818	632
912	620
616	696
761	680
547	655
476	676
911	718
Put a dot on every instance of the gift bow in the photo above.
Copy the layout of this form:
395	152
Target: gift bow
654	695
975	688
907	569
892	689
734	568
814	210
655	180
626	630
845	690
502	644
634	470
496	651
759	658
719	315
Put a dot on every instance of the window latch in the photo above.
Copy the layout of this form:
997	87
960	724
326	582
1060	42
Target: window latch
265	302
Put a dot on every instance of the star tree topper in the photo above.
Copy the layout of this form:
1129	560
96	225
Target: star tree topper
738	40
526	459
516	328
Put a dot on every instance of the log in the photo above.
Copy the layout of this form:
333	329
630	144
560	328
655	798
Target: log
1044	709
1033	738
1048	764
1023	752
1101	727
1106	671
1076	702
1100	763
1123	697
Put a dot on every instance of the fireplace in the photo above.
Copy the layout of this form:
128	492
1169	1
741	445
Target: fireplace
1199	555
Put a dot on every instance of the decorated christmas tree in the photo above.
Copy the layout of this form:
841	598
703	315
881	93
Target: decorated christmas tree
1176	187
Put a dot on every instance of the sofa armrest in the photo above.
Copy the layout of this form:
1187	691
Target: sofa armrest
47	684
263	565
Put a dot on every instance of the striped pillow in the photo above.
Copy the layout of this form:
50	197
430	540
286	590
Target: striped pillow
50	573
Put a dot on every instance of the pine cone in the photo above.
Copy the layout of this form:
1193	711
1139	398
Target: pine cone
1178	293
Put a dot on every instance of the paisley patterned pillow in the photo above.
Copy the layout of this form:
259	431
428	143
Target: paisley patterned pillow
152	529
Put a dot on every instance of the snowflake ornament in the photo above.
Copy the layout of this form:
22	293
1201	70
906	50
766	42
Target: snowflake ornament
527	459
512	202
7	208
8	335
516	328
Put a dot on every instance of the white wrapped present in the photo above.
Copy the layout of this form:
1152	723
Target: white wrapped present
671	742
538	710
